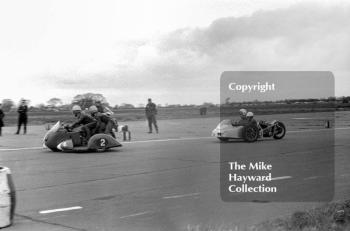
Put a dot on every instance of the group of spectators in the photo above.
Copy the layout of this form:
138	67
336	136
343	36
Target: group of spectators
22	117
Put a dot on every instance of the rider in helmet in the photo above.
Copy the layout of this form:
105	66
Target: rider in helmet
76	109
103	109
243	113
104	122
87	122
250	118
243	121
108	112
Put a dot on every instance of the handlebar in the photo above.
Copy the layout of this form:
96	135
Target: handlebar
67	127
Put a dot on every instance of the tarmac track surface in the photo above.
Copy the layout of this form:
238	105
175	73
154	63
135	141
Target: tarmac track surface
164	184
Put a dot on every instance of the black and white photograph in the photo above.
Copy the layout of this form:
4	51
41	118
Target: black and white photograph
164	115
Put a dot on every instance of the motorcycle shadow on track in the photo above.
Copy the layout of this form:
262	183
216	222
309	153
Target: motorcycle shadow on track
83	152
233	141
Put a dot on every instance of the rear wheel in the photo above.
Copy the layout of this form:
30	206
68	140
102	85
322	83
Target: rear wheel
250	133
280	131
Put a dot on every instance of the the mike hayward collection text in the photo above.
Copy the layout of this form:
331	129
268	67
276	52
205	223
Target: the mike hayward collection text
240	183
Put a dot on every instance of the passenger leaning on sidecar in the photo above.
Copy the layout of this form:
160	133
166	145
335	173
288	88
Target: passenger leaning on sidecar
105	123
250	118
87	122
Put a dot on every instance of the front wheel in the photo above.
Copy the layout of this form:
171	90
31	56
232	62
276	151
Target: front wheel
279	131
223	139
55	149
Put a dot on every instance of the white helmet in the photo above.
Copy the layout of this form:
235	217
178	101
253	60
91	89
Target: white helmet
243	112
76	108
93	109
250	114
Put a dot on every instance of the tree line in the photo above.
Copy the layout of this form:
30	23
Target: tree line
88	99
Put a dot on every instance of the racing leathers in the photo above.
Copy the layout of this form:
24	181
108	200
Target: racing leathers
244	122
88	124
105	124
252	121
241	122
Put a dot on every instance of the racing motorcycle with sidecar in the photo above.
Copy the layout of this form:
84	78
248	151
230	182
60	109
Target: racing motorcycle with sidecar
250	132
61	138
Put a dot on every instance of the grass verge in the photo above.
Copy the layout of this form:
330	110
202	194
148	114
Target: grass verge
334	216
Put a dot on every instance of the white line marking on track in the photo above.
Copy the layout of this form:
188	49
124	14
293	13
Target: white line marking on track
303	118
181	196
135	214
176	139
317	130
344	128
281	178
18	149
311	178
60	210
171	139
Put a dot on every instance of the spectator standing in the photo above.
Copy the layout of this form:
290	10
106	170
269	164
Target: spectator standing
2	115
22	117
203	111
151	112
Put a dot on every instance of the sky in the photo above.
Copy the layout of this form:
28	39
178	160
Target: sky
171	51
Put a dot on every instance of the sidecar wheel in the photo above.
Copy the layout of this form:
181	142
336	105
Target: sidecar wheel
250	133
101	149
281	131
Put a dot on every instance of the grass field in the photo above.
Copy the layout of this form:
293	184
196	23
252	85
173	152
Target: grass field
42	117
334	216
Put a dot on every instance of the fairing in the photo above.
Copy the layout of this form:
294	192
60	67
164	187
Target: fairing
59	139
226	130
52	130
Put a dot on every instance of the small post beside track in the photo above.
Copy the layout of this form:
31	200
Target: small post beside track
327	124
126	133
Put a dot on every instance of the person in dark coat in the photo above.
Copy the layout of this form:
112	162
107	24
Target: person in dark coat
151	112
2	115
22	117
